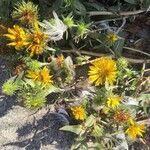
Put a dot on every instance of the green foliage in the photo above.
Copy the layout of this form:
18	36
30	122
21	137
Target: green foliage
9	88
82	29
34	101
68	21
73	128
97	131
101	96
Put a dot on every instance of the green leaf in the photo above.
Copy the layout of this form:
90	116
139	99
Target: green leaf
98	146
131	1
79	7
90	121
57	4
51	89
97	131
30	82
118	47
73	128
5	8
94	6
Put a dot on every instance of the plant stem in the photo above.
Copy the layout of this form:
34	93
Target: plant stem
136	50
131	60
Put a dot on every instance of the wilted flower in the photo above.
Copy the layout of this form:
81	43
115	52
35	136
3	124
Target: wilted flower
60	60
9	88
17	36
113	101
27	13
78	112
121	116
19	68
38	41
54	29
103	70
135	130
42	76
111	37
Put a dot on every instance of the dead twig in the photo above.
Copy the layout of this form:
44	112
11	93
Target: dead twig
105	13
136	50
123	24
146	121
131	60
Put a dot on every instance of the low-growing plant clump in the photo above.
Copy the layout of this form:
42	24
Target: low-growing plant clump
105	101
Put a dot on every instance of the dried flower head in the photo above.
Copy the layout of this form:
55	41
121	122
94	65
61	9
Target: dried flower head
54	29
78	112
60	61
121	116
103	70
26	12
18	37
19	68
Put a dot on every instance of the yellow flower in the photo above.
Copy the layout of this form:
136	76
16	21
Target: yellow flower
78	112
135	130
17	36
27	13
32	74
42	76
37	43
111	37
103	70
113	101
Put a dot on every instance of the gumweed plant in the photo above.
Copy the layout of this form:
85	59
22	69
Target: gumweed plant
102	118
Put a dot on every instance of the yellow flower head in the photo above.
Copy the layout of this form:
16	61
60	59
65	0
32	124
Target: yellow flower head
32	74
113	101
27	13
78	112
17	36
111	37
37	43
42	76
103	70
135	130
